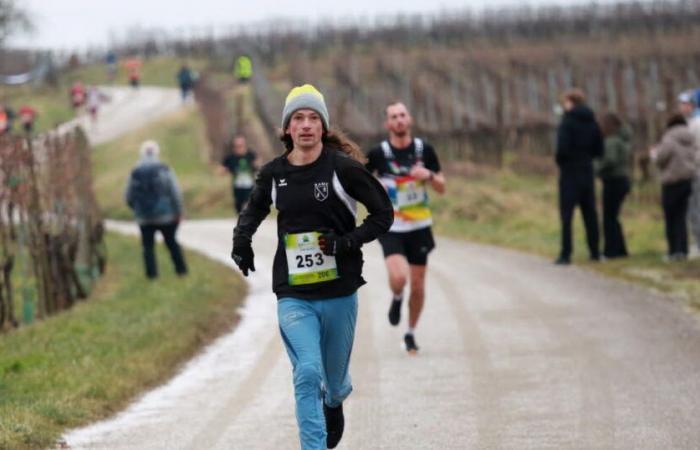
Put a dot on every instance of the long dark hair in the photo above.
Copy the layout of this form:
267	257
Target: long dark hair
334	138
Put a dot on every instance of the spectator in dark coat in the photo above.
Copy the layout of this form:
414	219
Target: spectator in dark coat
153	194
579	141
676	158
186	79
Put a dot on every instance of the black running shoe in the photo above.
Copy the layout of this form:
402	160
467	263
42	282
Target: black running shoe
335	424
410	343
395	312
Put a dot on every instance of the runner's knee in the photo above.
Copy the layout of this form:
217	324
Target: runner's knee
397	280
307	376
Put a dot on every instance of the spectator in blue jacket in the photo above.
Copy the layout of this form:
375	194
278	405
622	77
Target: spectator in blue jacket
153	194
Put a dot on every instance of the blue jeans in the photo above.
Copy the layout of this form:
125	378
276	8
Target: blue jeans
318	335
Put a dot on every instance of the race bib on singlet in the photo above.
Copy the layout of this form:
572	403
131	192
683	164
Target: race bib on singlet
306	262
409	198
244	180
409	193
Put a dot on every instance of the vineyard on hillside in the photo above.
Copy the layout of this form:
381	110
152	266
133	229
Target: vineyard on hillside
477	85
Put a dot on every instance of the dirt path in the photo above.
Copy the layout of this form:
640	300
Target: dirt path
128	109
516	353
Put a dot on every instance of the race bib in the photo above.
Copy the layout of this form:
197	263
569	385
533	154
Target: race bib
409	199
306	262
409	193
243	180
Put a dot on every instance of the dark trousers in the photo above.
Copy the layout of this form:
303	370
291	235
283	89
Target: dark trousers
240	198
615	189
168	231
674	199
578	190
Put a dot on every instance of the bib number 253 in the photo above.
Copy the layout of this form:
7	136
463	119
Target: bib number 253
308	261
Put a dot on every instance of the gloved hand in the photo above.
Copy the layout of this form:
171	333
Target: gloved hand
243	256
332	244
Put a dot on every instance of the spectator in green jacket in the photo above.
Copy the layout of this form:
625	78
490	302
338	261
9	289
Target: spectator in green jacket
614	168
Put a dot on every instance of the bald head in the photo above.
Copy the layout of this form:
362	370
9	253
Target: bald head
398	119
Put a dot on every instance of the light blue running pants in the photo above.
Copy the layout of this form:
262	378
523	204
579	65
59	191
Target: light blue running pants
318	335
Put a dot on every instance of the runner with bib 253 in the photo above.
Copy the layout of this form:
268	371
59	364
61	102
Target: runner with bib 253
317	268
406	166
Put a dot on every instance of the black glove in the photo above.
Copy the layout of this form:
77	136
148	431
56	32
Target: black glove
332	244
243	256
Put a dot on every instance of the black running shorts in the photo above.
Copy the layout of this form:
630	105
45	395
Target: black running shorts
414	245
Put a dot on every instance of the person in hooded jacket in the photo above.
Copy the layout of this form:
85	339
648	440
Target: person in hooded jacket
153	194
676	159
614	171
579	141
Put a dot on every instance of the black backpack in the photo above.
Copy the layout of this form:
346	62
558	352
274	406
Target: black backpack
150	191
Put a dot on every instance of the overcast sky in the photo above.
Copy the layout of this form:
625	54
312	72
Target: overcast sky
70	24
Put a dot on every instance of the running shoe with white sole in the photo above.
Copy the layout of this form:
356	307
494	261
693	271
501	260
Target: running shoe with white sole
410	343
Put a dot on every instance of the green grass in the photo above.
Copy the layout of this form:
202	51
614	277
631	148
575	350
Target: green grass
520	211
88	362
183	146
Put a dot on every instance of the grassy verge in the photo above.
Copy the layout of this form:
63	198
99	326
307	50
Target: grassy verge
520	212
88	362
182	141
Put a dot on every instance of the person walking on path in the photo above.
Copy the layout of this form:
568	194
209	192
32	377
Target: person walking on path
579	141
676	158
241	163
153	194
185	79
406	166
614	171
317	267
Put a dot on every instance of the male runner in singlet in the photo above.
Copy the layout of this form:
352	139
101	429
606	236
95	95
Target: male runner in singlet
407	166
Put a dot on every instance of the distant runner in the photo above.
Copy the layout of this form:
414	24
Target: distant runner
77	95
94	99
407	166
133	71
27	115
318	264
185	79
241	163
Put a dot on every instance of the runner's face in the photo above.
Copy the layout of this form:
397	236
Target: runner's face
239	145
306	128
398	120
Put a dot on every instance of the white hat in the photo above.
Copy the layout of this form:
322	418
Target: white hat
149	148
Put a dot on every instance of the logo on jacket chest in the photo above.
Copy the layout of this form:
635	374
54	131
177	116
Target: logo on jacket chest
321	191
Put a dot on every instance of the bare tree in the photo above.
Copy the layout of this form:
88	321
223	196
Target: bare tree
13	19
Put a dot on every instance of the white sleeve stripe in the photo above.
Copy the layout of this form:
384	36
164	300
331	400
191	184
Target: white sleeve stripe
344	197
273	193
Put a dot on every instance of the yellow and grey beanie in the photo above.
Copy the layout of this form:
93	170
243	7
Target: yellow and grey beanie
304	97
